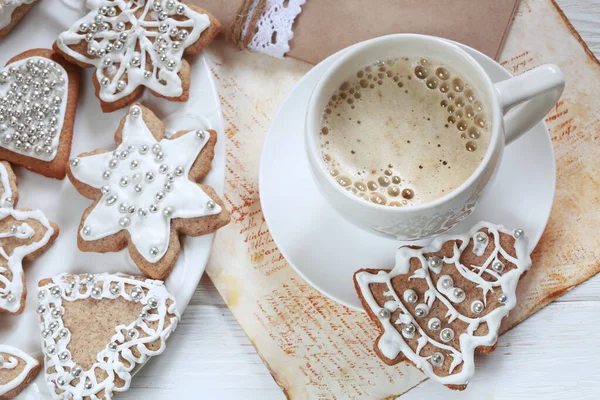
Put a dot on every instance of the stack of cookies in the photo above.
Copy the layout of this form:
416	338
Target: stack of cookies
145	192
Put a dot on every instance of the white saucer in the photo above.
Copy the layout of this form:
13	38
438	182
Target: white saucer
326	250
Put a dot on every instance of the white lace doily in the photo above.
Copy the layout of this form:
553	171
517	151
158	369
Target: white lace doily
274	28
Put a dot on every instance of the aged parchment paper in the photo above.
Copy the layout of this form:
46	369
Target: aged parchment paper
316	348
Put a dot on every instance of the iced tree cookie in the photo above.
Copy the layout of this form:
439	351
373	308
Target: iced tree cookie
442	302
17	370
11	12
24	235
38	100
97	328
145	192
134	44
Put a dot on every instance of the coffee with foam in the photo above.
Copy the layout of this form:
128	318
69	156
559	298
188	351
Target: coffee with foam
403	132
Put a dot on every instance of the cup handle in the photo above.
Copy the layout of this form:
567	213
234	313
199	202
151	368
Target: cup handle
535	92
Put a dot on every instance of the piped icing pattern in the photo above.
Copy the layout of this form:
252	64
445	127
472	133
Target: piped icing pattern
11	263
7	8
130	346
133	43
145	184
33	103
9	360
478	308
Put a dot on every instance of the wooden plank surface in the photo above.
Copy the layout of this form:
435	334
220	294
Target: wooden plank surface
211	358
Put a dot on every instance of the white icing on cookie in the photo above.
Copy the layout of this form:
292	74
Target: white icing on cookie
133	43
11	290
503	287
33	103
145	184
126	343
11	362
7	8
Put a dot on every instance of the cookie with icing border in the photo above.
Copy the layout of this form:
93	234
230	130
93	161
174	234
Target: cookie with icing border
443	302
24	235
96	329
38	102
17	370
12	12
136	44
146	192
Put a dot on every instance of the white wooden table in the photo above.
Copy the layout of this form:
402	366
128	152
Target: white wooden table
555	354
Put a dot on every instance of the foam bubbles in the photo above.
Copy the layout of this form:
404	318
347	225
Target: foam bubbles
403	131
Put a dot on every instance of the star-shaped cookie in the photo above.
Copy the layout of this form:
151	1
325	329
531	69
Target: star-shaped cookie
145	192
138	43
24	235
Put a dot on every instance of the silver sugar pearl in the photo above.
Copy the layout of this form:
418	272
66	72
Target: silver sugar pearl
502	298
481	237
76	371
132	333
135	111
477	307
498	266
153	302
446	335
51	350
200	134
409	329
458	293
149	176
168	212
154	251
106	175
142	212
74	162
64	356
86	231
124	222
124	181
519	233
383	313
115	289
96	292
112	346
210	205
61	381
437	359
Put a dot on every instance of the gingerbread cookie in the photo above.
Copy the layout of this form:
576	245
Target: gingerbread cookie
442	302
145	192
97	328
38	100
11	12
24	235
17	370
138	43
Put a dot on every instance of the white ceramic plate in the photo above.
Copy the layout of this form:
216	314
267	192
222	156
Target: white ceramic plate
63	205
326	250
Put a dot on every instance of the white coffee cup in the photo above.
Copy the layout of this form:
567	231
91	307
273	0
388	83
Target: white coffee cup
534	92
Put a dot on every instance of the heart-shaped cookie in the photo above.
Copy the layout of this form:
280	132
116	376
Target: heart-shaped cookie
17	369
24	235
38	100
97	328
443	302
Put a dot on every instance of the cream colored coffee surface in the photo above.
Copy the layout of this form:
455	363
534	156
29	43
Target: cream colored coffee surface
403	132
